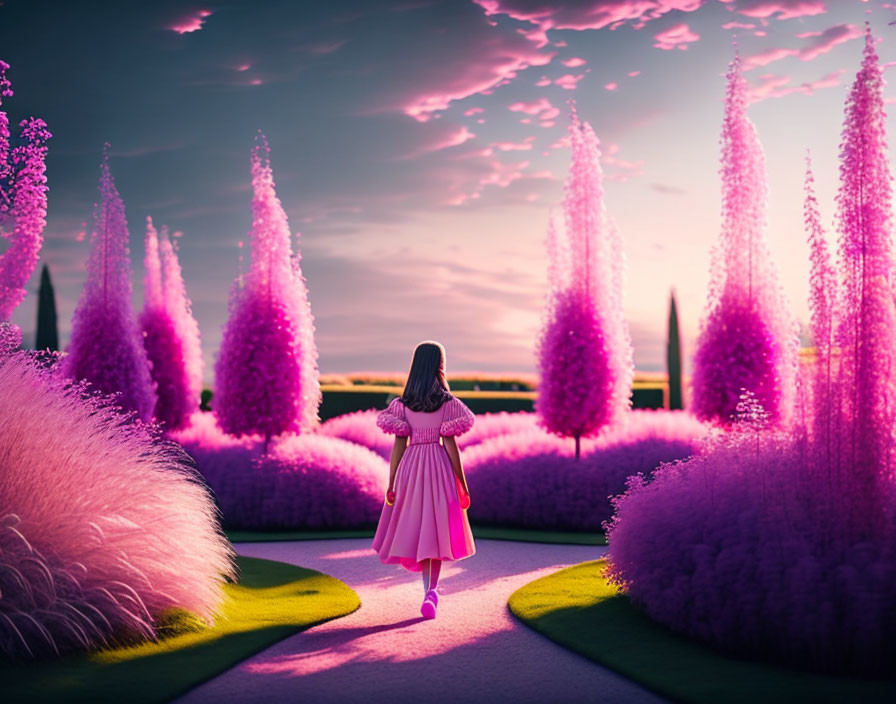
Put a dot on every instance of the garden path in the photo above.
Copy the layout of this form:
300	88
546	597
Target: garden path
474	650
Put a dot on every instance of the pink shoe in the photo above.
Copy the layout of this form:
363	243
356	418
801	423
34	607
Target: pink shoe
428	609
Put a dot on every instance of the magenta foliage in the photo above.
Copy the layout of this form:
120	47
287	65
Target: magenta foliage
167	323
103	526
360	428
867	325
23	201
781	544
303	481
266	375
747	339
584	350
727	547
106	346
180	309
531	479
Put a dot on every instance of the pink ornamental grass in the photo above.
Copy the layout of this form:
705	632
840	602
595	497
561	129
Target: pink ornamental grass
747	340
584	350
266	376
103	526
23	201
106	347
165	322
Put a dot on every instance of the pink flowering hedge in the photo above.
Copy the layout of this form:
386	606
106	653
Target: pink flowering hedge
530	479
360	428
305	481
103	526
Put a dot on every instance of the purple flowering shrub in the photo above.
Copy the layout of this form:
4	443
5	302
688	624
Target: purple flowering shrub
532	479
781	544
103	526
735	547
304	481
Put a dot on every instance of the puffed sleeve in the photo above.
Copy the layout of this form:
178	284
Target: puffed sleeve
458	418
392	420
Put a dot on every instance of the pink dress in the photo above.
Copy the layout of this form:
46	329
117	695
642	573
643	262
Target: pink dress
427	519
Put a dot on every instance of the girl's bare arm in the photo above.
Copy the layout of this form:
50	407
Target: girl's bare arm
454	456
398	448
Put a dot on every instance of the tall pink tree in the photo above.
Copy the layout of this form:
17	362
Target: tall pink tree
106	346
168	332
180	309
23	201
266	374
584	350
748	341
866	326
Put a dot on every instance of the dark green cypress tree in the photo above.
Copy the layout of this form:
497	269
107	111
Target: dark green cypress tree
47	326
673	357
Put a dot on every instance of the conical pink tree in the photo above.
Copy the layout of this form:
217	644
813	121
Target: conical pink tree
106	346
748	341
584	350
181	311
163	338
23	201
266	375
866	327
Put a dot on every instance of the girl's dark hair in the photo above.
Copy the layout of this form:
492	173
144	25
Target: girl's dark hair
426	388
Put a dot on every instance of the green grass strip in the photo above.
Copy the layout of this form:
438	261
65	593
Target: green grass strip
485	532
273	600
578	609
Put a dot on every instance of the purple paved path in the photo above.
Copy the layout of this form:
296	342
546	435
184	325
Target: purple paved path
474	651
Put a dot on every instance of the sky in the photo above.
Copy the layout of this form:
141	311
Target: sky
418	149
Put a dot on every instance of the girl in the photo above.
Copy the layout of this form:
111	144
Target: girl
424	519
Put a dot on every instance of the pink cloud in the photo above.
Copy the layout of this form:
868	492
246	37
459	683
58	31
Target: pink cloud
677	36
632	74
549	123
771	86
574	62
738	25
190	23
531	108
322	48
545	81
473	111
526	120
525	145
820	43
760	33
596	14
569	81
478	69
611	86
242	67
783	9
444	140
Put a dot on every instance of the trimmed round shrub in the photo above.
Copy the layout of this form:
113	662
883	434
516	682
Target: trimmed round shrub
104	526
532	479
304	481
